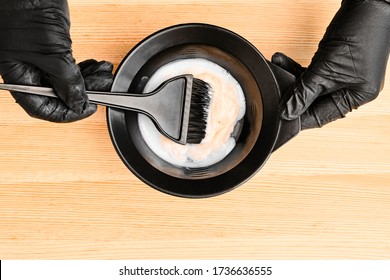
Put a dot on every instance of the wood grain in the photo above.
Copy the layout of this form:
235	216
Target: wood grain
65	194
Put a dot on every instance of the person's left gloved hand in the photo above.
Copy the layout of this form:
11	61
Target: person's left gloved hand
96	75
36	49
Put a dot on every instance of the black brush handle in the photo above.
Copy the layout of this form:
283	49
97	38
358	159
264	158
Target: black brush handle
168	106
134	102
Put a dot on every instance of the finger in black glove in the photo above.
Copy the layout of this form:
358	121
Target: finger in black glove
97	75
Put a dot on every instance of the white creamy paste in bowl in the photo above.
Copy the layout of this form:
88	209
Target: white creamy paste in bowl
227	107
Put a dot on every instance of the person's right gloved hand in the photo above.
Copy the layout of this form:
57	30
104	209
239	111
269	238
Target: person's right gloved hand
348	68
35	49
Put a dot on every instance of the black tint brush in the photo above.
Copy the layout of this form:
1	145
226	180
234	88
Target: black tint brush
178	107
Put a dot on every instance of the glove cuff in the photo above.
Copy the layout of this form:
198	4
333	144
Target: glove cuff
15	5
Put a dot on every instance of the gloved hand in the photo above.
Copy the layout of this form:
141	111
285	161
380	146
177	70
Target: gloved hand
35	49
347	71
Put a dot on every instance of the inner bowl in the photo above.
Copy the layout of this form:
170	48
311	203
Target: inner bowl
255	134
247	130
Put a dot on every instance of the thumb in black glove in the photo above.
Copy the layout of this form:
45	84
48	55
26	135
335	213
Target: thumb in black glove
35	49
348	69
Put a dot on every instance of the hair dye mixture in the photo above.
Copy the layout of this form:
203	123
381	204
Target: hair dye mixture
227	107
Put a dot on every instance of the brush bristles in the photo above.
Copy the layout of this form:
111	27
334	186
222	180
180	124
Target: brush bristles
200	101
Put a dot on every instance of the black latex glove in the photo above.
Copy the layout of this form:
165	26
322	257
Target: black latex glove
347	71
97	75
35	49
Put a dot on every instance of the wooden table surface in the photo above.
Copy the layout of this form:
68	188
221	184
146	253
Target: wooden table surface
65	194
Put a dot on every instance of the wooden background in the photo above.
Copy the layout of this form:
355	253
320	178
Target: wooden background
65	194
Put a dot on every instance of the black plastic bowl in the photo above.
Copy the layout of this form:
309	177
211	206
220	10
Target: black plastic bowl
259	128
